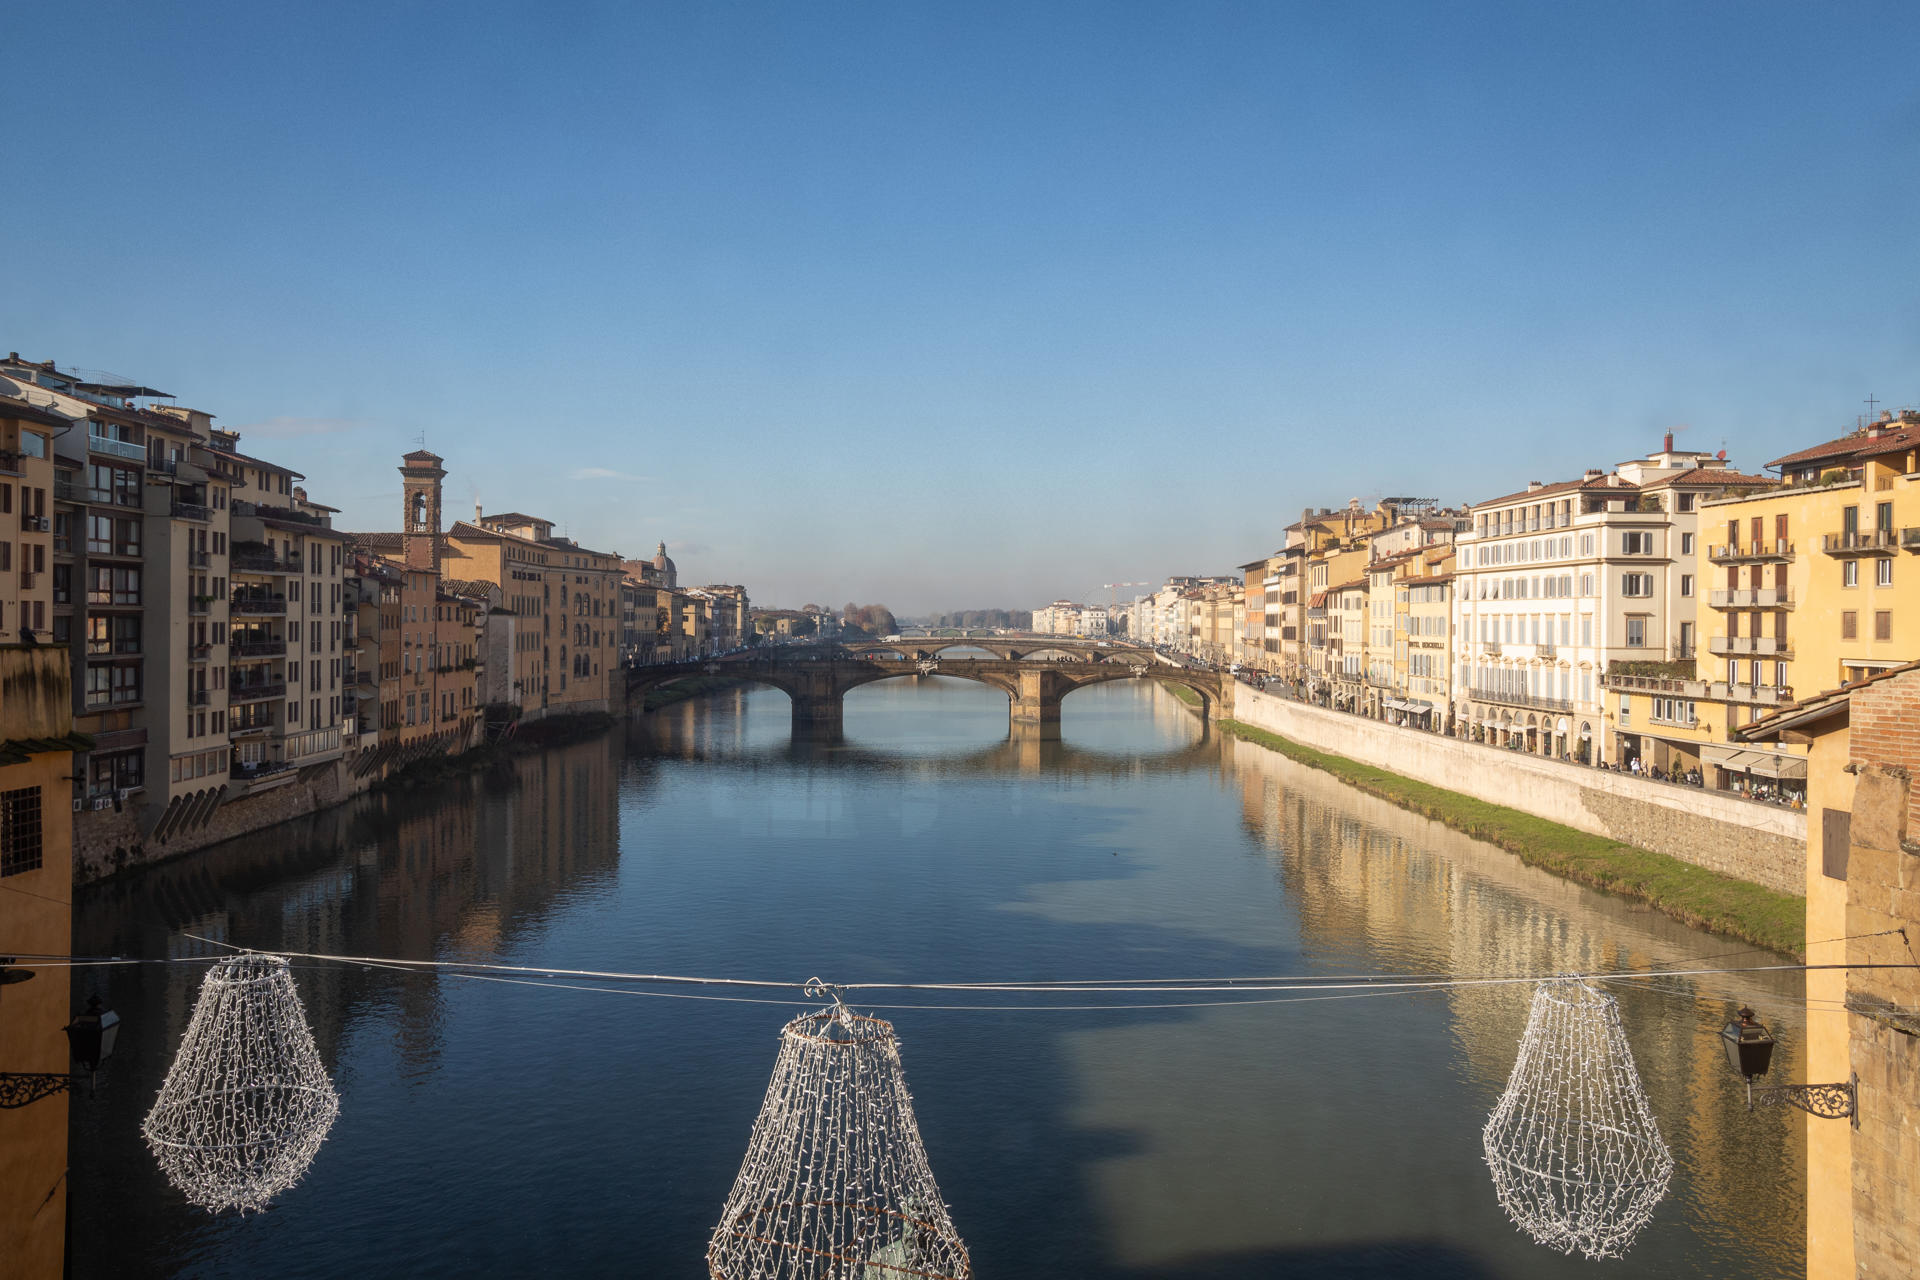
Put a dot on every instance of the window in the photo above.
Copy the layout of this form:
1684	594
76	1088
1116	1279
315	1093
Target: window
1849	625
1686	584
1850	573
1586	544
1686	544
1636	633
1636	584
1686	501
1883	574
19	831
1637	544
1883	624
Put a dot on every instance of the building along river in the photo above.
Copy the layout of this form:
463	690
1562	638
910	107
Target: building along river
488	1128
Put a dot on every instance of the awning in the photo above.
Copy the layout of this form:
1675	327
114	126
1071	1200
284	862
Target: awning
1764	764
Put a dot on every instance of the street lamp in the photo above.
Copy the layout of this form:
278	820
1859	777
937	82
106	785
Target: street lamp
90	1038
1749	1047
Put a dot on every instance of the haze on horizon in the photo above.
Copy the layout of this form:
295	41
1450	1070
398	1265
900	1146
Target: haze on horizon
976	306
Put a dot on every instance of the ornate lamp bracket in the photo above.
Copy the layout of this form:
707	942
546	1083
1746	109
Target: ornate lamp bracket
1828	1101
19	1088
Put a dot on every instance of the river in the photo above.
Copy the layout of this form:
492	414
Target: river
507	1130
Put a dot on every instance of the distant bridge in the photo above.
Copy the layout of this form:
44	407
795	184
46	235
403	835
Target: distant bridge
816	678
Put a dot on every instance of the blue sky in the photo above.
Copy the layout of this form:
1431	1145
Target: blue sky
975	305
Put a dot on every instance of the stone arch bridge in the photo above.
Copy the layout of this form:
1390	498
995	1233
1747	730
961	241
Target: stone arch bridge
817	677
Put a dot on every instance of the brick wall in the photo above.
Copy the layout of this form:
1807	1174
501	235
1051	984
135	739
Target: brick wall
1883	1033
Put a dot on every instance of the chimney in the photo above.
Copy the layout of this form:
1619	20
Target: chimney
1593	473
1667	445
1534	486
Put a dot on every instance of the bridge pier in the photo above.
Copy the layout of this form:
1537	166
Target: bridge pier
1036	703
818	718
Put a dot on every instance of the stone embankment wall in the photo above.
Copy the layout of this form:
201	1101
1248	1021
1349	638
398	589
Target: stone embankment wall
1761	843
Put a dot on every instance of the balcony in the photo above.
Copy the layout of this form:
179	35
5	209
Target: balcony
1765	695
1755	646
259	604
10	462
1655	684
200	653
1910	539
64	488
117	448
1779	550
265	562
1752	598
257	648
199	559
35	524
1521	700
199	606
256	691
1866	542
1545	651
198	697
191	511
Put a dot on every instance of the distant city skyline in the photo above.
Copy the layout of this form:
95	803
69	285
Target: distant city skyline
971	308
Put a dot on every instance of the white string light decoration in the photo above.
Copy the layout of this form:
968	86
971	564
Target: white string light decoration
836	1181
247	1102
1577	1159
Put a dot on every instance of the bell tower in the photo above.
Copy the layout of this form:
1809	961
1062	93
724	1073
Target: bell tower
420	475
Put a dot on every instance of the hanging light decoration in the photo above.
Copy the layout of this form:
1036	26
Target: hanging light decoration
836	1182
247	1102
1577	1159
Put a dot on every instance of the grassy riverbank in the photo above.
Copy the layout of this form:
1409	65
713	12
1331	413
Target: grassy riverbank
1700	897
1183	693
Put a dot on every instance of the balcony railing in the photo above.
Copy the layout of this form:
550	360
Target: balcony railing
10	462
200	653
1910	539
1766	695
1522	700
65	489
199	559
1752	598
259	604
117	448
264	562
1656	684
257	648
198	697
250	691
1759	646
35	524
1863	542
1544	651
199	606
1738	553
191	511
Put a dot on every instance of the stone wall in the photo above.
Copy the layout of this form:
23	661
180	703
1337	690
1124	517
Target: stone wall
1764	844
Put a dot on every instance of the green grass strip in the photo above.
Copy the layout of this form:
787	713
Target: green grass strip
1703	898
1183	693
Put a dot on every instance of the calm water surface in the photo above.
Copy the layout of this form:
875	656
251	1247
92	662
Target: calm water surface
497	1129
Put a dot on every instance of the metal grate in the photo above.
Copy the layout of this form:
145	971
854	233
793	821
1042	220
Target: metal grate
19	831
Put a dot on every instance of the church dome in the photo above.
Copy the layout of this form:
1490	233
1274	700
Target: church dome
660	558
663	565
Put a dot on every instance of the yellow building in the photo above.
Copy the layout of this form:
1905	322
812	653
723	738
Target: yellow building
1802	586
1423	637
37	743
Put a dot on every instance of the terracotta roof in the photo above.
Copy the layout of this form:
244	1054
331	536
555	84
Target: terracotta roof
422	455
1608	483
379	541
467	587
1710	475
236	456
1894	437
1793	712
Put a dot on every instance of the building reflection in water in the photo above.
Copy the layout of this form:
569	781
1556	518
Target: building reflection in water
1376	885
460	877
